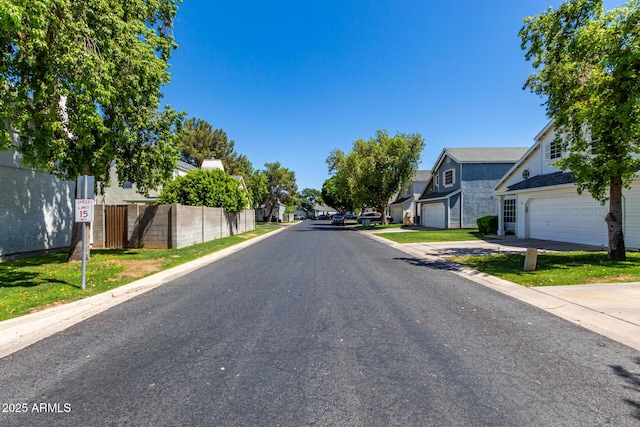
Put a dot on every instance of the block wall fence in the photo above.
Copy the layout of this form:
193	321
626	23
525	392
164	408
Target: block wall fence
173	226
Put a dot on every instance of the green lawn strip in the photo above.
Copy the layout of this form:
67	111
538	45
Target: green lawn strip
31	284
556	269
432	236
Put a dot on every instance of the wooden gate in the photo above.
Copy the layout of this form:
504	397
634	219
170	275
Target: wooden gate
115	221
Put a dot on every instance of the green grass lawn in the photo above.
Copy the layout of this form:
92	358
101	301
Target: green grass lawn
31	284
455	235
554	269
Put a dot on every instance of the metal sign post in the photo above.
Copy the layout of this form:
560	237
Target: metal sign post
84	215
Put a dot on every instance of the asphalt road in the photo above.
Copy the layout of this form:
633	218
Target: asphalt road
320	325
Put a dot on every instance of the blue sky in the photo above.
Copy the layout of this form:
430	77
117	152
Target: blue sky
290	81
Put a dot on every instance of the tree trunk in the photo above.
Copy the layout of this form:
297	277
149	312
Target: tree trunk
617	250
271	207
383	208
75	250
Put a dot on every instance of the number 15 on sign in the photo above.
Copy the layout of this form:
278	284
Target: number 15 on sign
84	210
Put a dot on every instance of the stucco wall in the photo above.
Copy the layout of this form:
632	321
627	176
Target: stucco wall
36	210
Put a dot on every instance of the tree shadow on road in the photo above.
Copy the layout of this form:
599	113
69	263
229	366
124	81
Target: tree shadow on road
439	264
633	383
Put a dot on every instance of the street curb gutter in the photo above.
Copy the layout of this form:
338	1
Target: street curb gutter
20	332
616	329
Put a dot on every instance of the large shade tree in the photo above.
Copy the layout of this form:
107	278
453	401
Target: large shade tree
308	198
378	168
281	186
336	196
80	86
587	66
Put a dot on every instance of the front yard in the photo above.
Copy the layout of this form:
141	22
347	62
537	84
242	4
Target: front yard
553	268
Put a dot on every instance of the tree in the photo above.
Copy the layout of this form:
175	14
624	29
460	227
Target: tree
376	169
308	198
213	188
258	191
281	185
337	198
81	87
588	68
200	141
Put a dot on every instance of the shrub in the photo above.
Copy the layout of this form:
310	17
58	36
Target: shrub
213	188
488	224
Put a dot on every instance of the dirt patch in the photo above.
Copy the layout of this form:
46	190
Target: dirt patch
622	278
136	268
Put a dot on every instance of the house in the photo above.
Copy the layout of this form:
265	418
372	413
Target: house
539	201
36	210
459	190
405	206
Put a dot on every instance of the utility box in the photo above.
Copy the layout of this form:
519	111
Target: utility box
530	259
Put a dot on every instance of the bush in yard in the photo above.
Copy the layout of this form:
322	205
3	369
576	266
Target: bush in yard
213	188
488	224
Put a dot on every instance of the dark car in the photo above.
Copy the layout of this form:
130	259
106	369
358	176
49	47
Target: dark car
350	216
337	220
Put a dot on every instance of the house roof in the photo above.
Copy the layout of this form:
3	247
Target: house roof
546	180
487	155
402	200
440	195
422	176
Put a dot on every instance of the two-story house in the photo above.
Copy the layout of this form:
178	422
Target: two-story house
460	188
538	200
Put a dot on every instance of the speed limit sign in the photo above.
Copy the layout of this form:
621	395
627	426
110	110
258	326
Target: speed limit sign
84	210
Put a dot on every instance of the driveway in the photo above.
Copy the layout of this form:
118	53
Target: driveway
507	244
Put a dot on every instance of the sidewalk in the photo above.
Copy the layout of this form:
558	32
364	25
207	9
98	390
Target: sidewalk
612	310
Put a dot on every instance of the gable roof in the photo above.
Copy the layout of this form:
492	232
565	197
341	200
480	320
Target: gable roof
401	201
487	155
546	180
538	138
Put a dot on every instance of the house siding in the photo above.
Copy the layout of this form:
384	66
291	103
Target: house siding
455	206
36	210
478	181
632	216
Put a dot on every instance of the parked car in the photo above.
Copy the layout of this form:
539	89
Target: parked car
350	216
337	220
374	217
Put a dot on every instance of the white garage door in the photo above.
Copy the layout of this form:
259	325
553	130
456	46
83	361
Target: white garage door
568	219
433	215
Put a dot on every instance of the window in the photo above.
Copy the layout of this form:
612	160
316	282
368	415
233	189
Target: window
449	178
552	151
509	210
526	173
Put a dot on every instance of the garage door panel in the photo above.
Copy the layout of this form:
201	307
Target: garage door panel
434	216
568	219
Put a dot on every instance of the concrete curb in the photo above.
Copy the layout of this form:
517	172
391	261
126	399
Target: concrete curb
620	330
20	332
